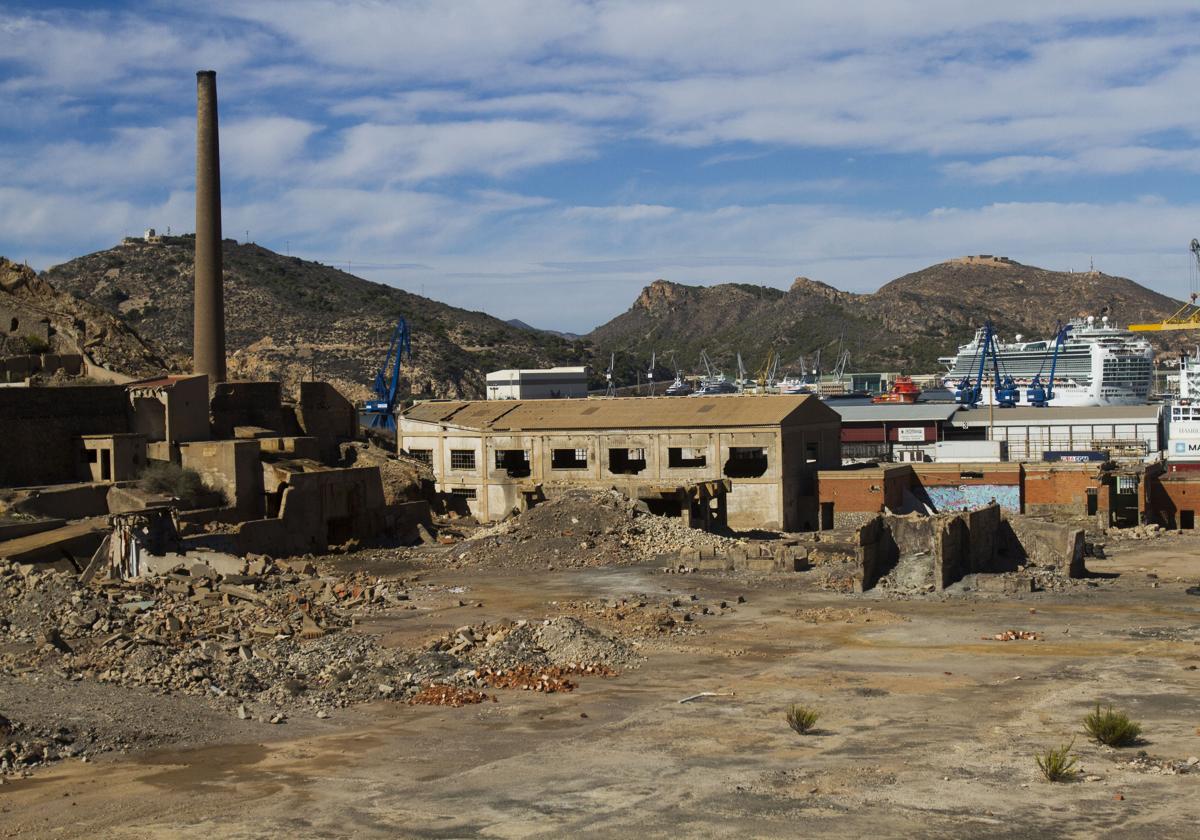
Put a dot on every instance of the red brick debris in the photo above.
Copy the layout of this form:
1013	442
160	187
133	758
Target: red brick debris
547	680
1013	636
436	694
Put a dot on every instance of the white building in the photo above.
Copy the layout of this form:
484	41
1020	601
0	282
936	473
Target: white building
543	384
1130	431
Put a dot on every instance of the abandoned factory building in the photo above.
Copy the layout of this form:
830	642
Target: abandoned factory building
748	461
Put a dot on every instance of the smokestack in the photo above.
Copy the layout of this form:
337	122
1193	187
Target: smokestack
208	337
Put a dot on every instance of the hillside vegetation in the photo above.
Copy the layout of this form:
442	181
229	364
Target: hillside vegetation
904	326
288	318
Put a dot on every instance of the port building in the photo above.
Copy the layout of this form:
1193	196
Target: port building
538	384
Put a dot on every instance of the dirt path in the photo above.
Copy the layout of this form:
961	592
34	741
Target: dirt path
927	730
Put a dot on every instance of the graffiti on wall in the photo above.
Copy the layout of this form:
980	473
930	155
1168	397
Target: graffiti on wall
972	496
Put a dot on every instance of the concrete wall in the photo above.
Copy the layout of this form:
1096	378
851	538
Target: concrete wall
42	426
1045	544
19	368
319	509
249	404
231	466
116	458
326	415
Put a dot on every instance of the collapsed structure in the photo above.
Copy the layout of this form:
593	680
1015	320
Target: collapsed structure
273	470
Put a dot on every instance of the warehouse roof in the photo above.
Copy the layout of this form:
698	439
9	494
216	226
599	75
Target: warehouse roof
624	413
1057	415
895	412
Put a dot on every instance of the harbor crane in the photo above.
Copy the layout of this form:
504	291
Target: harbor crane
1187	317
380	413
970	389
1039	396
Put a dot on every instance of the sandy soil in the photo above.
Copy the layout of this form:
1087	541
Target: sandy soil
927	730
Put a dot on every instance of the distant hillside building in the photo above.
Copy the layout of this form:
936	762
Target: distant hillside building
748	460
538	384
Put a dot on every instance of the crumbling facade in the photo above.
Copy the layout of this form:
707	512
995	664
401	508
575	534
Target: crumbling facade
766	450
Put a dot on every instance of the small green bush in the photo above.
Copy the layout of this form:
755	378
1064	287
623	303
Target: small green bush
801	718
35	344
1112	728
1058	765
173	480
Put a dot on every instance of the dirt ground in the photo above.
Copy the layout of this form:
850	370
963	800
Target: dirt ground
926	729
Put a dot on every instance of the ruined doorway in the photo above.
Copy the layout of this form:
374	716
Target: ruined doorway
1187	519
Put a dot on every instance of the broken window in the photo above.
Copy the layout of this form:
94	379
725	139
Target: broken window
970	474
686	457
811	453
462	459
568	459
746	462
626	461
514	461
425	456
467	493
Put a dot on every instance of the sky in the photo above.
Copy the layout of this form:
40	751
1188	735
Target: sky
546	159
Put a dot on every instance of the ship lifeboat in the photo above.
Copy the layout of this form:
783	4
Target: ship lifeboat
903	390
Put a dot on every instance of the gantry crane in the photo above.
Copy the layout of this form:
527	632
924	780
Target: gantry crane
380	413
1187	317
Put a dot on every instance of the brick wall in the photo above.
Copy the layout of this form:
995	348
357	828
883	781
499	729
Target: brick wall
1059	489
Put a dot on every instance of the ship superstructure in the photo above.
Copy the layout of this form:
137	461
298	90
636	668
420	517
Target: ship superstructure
1098	364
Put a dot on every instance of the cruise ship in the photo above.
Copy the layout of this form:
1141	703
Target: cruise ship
1098	364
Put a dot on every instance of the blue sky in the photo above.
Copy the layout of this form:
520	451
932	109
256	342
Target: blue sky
545	159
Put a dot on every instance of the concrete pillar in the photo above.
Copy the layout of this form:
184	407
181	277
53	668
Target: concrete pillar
208	336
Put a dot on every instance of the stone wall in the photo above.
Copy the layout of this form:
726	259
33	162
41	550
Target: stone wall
326	415
250	404
42	427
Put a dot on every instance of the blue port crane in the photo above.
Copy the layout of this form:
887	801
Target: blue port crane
1039	395
970	388
380	413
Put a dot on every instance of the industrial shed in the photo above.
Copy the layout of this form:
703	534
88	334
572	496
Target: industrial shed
750	460
1122	431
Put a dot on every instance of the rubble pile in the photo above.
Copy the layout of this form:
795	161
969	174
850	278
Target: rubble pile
582	528
644	616
21	748
1139	532
267	634
261	640
563	642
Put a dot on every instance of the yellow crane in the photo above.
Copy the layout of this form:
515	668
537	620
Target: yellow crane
1187	317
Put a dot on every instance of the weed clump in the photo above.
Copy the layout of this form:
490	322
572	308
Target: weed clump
1111	727
173	480
802	719
1058	765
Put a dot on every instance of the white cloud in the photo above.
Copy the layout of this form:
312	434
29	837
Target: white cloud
419	151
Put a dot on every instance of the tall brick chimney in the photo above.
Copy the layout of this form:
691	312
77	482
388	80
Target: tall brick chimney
208	336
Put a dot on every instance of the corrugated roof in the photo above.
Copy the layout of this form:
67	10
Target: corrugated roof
894	413
1060	414
623	412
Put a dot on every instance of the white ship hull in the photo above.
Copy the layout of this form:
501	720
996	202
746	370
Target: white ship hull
1065	395
1098	364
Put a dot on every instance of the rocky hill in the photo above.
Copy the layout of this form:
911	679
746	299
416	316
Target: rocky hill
288	318
30	304
904	326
